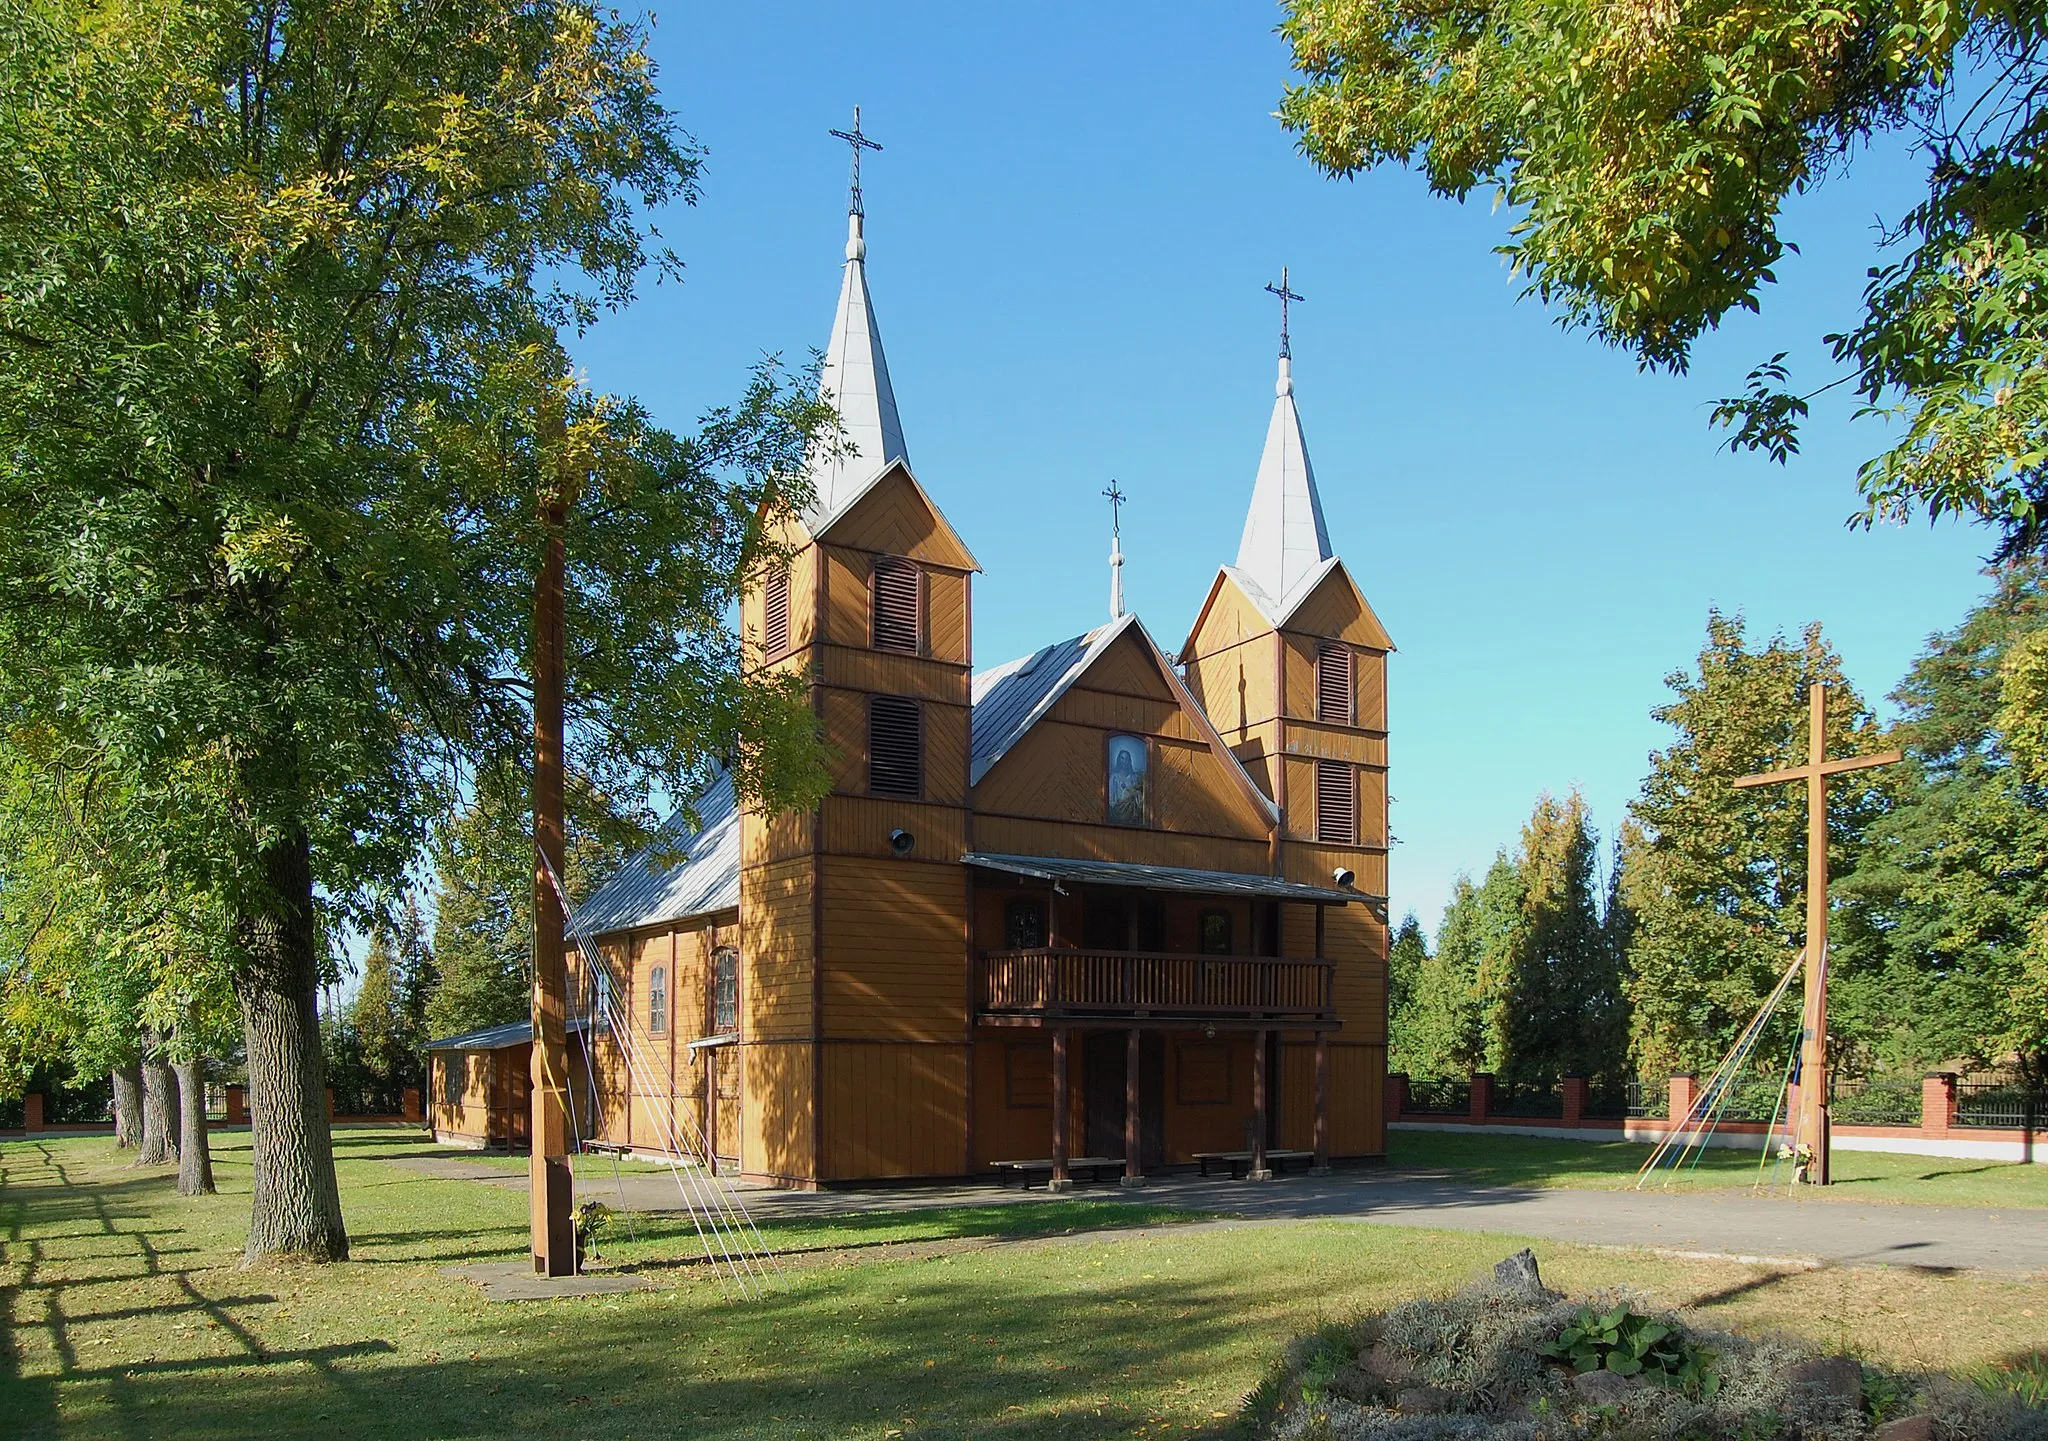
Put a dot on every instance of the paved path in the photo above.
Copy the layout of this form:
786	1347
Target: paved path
1717	1222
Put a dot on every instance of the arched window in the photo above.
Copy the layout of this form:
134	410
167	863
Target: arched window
657	1000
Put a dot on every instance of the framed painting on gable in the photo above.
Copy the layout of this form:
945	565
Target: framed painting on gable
1130	781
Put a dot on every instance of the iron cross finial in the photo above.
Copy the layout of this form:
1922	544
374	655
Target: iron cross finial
1115	498
858	142
1286	296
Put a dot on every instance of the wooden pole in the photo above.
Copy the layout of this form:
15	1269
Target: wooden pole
1259	1171
553	1224
1322	1141
1813	1061
1060	1180
1134	1165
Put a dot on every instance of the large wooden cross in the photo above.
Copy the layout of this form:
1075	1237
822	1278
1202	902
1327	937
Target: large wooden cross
1813	1038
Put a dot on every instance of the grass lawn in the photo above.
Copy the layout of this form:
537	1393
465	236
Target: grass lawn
124	1313
1611	1165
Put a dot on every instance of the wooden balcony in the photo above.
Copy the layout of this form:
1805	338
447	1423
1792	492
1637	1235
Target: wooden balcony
1058	985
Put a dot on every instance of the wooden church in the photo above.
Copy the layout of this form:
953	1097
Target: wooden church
1100	907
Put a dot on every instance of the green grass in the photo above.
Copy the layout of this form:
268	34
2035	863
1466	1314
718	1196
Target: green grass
124	1313
1499	1160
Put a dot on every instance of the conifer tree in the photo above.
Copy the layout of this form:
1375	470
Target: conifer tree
1407	960
1560	1011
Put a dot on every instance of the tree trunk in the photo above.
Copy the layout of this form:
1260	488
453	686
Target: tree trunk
296	1202
195	1161
127	1105
159	1105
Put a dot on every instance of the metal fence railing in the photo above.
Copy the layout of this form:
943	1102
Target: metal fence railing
1876	1102
1429	1096
1526	1100
2007	1105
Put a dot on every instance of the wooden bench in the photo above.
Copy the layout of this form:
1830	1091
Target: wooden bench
1097	1168
1240	1162
607	1148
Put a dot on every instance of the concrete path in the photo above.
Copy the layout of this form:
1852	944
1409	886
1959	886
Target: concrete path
1712	1222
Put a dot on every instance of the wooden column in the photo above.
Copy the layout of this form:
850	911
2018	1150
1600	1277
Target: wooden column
1322	1140
1060	1180
1259	1171
1134	1164
552	1219
711	1109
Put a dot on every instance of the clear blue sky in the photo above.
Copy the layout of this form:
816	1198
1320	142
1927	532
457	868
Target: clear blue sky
1068	231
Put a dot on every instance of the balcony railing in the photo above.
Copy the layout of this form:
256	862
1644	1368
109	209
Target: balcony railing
1083	984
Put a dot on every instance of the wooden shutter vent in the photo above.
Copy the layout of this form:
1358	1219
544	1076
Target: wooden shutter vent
775	614
1336	695
895	746
1336	803
896	607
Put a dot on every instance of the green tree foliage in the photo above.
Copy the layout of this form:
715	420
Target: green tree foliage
1451	1023
1939	954
1559	1011
384	1030
1714	878
1645	155
1407	959
283	404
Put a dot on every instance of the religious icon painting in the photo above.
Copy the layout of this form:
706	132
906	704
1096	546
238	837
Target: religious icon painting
1130	781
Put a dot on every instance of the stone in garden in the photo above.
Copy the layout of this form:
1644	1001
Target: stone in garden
1838	1378
1602	1388
1423	1401
1383	1363
1518	1276
1906	1428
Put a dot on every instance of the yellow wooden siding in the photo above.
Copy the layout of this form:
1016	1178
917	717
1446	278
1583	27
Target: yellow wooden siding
893	519
946	636
1107	710
775	1137
945	746
887	673
773	836
1015	835
1338	610
895	1110
861	825
1372	691
776	959
896	949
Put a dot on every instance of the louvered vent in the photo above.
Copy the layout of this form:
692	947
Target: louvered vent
1336	803
896	608
895	746
1336	696
775	614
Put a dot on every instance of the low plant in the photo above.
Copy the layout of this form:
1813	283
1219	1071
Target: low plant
2025	1377
1630	1344
593	1221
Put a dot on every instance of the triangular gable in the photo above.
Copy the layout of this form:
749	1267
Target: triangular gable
1012	698
890	512
1351	618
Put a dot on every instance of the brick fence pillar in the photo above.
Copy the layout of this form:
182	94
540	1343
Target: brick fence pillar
1397	1094
238	1105
1574	1088
409	1105
1684	1091
1482	1094
32	1111
1937	1103
330	1103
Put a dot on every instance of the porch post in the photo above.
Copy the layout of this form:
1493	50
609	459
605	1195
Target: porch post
1322	1142
1134	1167
1259	1171
711	1109
1060	1180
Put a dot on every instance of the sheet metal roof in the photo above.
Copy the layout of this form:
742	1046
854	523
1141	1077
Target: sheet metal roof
1009	699
856	376
492	1038
681	873
1284	535
1162	878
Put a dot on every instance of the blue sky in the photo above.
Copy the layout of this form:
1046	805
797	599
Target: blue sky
1068	232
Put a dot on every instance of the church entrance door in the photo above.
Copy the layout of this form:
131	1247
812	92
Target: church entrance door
1104	1058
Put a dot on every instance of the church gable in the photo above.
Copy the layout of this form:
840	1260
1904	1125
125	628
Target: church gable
1122	744
894	516
1336	609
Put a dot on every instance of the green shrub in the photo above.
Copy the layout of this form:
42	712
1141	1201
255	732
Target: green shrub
1629	1344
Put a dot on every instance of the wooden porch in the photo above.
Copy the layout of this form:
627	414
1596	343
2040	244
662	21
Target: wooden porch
1048	985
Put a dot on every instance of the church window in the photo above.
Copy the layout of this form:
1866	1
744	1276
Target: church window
657	1000
896	606
1024	924
454	1076
1130	781
725	991
775	613
1336	688
1216	935
1336	803
895	747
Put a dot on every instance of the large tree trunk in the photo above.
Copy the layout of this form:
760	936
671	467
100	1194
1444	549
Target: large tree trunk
296	1205
195	1161
127	1104
159	1105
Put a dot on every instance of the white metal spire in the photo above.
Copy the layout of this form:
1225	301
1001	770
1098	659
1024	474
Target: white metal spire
1285	541
856	373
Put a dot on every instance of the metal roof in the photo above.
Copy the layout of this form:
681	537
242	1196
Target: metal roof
1009	699
1163	878
1284	539
492	1038
681	873
856	376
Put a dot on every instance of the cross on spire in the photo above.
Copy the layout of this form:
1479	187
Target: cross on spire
1115	498
1286	295
858	142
